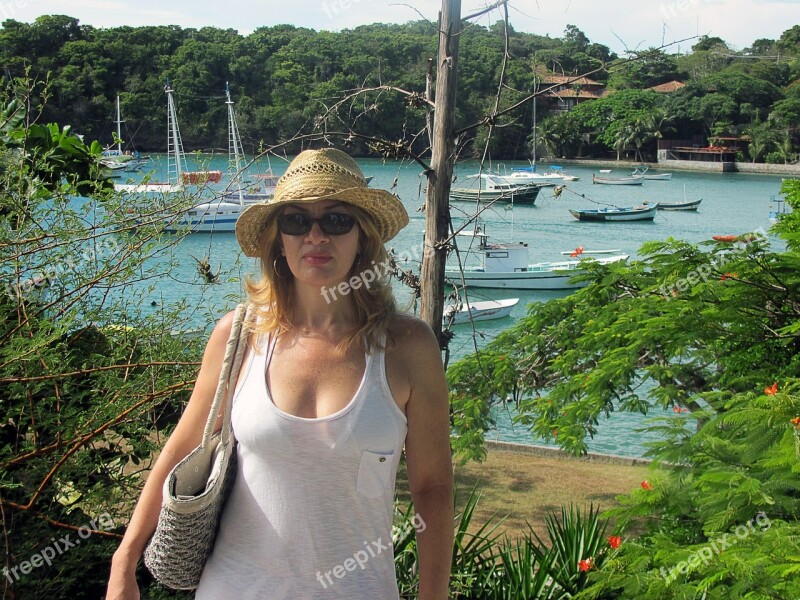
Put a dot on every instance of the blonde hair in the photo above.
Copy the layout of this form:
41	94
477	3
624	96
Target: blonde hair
273	294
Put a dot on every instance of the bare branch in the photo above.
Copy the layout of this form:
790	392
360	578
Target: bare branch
488	9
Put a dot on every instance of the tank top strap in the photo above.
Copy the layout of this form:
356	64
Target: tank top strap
269	348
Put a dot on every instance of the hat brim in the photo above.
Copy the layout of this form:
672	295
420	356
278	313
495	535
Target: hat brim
387	211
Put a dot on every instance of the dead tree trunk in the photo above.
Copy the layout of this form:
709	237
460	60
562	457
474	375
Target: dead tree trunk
437	201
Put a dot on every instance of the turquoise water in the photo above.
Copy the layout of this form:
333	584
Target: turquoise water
732	203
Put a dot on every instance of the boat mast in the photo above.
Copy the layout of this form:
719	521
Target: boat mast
119	129
535	86
174	144
235	151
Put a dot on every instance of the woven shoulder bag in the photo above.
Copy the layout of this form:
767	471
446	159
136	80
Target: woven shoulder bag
197	487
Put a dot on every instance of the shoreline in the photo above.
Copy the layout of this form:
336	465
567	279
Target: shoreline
548	452
685	165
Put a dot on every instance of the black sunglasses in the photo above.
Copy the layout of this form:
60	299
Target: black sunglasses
332	223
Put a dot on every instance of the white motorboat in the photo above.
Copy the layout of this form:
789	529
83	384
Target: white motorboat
482	310
505	266
528	175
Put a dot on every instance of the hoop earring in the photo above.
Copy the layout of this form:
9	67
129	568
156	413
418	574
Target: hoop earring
275	267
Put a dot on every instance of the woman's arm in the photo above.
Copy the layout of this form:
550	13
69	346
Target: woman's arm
187	435
430	467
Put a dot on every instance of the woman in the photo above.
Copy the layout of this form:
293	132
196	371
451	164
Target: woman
334	385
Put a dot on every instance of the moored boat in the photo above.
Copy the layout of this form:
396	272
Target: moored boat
613	213
496	190
630	180
644	171
686	205
482	310
505	266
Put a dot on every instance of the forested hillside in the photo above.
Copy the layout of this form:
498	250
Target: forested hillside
283	77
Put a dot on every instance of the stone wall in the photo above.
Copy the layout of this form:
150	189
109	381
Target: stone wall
765	169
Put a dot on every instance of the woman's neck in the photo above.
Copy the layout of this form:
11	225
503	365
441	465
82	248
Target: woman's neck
316	315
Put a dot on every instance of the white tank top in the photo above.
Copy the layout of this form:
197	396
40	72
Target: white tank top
310	514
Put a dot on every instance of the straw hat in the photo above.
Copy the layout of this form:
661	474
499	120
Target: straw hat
327	174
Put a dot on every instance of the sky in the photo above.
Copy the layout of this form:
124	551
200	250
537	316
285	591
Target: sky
619	24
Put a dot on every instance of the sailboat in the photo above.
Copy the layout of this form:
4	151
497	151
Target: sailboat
245	192
214	215
115	160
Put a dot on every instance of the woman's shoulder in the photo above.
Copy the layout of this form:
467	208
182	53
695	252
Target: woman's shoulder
222	331
411	336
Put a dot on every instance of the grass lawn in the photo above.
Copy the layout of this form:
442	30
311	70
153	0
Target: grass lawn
525	488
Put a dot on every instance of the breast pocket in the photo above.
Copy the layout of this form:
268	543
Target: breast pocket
375	473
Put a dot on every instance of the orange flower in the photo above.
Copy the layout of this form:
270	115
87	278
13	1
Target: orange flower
679	409
555	432
501	357
771	390
614	541
796	422
585	565
647	485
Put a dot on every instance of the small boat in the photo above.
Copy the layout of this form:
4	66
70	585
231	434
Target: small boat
505	266
686	205
579	251
564	176
496	190
483	310
744	238
644	171
630	180
613	213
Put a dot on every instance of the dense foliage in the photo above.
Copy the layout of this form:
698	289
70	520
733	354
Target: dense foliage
92	377
283	78
710	333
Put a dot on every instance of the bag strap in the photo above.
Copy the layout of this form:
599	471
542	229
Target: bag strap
231	365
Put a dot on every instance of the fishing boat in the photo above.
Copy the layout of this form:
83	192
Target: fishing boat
496	190
629	180
505	266
685	205
644	171
613	213
483	310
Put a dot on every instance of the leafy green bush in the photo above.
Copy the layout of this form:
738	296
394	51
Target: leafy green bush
488	565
